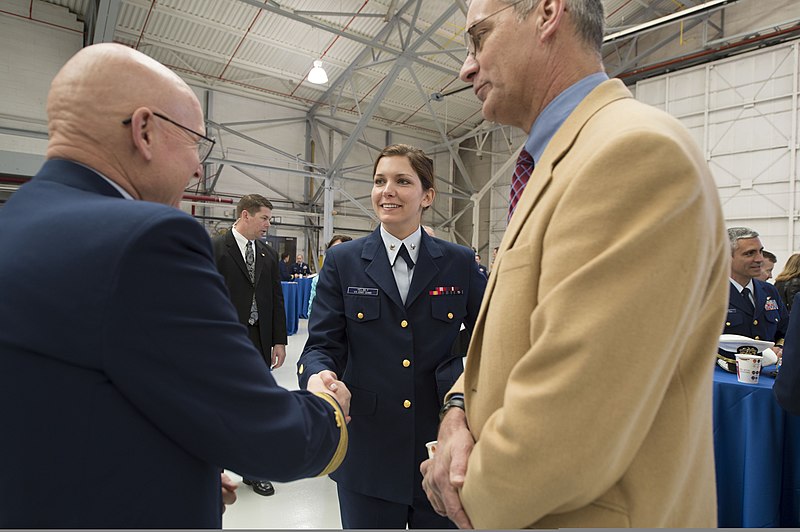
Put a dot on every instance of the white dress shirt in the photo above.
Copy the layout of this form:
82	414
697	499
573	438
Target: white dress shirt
402	274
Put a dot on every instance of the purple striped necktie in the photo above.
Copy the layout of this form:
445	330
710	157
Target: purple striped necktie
522	173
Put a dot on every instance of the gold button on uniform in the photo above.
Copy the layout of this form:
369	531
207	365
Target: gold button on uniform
450	315
755	322
727	324
360	315
406	404
404	324
406	363
300	370
757	338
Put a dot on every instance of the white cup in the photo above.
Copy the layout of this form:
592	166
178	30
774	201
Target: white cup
431	446
748	368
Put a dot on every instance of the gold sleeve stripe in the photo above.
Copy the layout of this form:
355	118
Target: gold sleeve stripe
341	449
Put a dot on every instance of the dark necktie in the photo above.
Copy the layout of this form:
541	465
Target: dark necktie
746	295
250	261
522	173
405	256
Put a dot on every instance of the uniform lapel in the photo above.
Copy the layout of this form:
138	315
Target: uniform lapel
425	269
235	253
379	269
736	300
760	297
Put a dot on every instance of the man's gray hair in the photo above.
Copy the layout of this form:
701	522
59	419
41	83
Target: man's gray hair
587	15
738	233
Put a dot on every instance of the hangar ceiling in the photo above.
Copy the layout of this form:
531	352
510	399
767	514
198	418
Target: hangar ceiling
393	63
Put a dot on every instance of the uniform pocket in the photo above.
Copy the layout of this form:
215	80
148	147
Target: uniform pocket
449	308
362	402
362	308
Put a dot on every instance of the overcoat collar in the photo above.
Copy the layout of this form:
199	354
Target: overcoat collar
77	176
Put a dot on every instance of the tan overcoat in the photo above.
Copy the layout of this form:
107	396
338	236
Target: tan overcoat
588	380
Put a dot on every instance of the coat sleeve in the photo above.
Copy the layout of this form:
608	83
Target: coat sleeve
180	356
326	347
787	383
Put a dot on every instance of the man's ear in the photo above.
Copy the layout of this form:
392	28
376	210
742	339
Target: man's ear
549	14
142	132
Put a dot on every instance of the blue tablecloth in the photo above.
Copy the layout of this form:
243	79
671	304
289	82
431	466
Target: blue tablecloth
304	289
756	445
291	295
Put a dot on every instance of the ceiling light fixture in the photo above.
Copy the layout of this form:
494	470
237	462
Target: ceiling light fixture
317	75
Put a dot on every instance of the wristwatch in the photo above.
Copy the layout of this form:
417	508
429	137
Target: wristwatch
456	400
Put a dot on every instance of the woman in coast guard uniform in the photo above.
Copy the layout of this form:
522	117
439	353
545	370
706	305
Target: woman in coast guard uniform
387	310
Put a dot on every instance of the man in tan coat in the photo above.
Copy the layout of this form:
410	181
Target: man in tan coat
587	391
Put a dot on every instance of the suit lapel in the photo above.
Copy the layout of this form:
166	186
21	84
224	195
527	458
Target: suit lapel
604	94
379	269
261	259
235	253
425	269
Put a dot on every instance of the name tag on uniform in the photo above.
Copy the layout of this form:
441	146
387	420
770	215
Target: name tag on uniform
771	304
360	291
731	310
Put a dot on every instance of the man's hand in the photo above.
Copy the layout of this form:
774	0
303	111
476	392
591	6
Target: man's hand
278	355
228	491
443	475
326	382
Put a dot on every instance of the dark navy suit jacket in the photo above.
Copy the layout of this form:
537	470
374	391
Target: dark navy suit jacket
126	379
787	384
396	359
768	321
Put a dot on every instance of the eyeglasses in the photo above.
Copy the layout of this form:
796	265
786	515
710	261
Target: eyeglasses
474	36
204	144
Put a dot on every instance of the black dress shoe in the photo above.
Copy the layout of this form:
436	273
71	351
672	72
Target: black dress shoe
262	487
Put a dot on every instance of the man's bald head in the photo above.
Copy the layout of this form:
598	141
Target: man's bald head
96	90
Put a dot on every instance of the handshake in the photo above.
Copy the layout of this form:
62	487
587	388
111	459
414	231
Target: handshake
326	382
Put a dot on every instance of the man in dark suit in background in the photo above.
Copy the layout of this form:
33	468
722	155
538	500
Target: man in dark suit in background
126	379
250	269
755	309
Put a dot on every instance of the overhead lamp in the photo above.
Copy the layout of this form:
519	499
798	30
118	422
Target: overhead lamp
317	75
